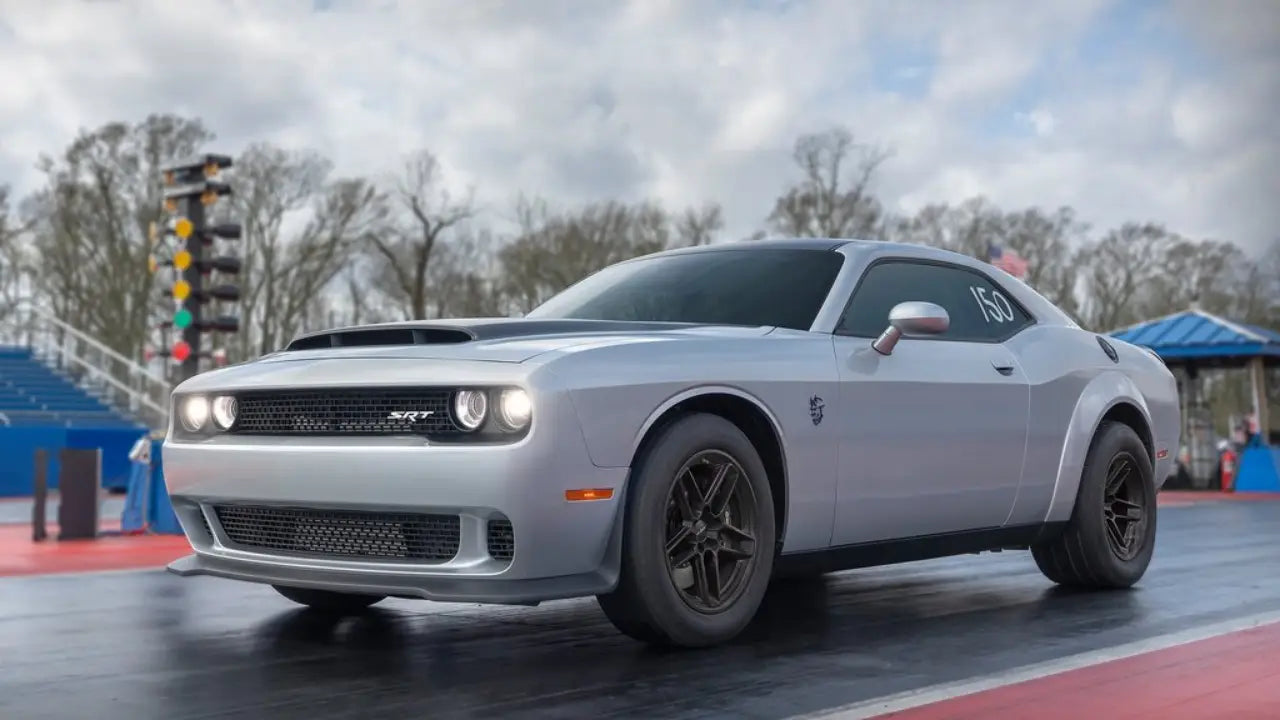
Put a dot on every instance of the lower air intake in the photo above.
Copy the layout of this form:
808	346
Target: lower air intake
343	533
502	540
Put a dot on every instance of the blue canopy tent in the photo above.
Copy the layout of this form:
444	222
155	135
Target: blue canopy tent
1193	340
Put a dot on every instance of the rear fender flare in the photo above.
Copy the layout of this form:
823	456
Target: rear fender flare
1097	398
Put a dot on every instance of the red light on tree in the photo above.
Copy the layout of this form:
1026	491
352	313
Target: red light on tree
181	351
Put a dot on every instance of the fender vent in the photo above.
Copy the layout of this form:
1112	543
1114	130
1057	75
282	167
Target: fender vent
1106	348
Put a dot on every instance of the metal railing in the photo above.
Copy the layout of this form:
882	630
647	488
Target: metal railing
102	372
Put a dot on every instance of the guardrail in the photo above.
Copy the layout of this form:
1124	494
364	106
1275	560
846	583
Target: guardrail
95	367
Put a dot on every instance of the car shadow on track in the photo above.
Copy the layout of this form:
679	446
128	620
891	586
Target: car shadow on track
834	639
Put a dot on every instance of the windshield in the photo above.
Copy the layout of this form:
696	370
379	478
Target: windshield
750	287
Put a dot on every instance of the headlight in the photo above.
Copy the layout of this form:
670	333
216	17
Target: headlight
195	413
470	408
514	409
224	411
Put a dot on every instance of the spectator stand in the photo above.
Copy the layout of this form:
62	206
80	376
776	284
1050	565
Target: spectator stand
1193	341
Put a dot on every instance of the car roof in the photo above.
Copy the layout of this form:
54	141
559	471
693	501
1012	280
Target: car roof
779	243
802	243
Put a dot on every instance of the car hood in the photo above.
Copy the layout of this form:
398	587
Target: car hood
487	339
388	350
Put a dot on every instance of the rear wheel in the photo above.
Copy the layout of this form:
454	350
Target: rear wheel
1111	535
329	601
698	537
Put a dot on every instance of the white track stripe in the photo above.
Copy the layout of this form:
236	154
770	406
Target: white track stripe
947	691
82	573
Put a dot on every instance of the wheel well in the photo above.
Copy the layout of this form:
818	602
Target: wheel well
753	423
1130	415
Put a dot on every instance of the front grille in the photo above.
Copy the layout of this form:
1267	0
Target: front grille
502	540
343	533
344	412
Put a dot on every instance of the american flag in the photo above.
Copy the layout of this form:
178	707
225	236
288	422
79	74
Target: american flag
1007	260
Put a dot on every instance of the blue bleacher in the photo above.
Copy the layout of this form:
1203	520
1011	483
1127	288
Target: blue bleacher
33	394
41	408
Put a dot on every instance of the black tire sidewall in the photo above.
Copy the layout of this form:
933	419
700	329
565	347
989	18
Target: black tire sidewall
1112	440
646	512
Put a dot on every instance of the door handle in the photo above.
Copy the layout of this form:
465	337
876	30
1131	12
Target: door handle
1003	369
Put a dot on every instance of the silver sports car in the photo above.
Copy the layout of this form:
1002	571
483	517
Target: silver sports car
674	431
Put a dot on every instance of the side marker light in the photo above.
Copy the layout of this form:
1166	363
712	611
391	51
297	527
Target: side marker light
585	494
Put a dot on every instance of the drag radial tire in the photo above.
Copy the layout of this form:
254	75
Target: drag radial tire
328	601
1111	535
698	537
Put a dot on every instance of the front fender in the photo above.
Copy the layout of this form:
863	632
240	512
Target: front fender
1097	398
615	421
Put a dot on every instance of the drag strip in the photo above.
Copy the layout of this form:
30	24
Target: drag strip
151	645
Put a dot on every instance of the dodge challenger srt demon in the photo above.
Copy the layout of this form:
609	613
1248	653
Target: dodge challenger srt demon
675	430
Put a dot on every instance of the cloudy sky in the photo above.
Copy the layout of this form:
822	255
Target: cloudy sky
1140	110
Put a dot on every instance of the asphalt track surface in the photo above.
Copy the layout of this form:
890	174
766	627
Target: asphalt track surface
147	644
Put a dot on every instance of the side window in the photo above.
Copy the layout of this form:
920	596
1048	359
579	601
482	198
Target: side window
979	309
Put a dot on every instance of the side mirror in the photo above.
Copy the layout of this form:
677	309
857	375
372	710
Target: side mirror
911	318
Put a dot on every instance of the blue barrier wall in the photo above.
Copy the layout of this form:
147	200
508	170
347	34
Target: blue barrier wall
115	444
17	457
1259	470
18	447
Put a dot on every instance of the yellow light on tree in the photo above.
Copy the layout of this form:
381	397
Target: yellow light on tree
181	290
183	228
182	260
152	265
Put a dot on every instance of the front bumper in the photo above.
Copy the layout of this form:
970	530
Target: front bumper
561	548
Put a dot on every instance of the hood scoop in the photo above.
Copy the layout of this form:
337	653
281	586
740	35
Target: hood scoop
381	336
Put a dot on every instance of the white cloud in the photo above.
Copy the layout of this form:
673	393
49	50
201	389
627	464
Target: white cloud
1041	121
682	101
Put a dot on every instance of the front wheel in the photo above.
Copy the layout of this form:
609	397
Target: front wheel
1112	532
698	537
327	601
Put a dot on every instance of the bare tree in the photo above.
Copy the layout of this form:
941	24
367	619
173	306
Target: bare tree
16	269
699	226
90	225
344	216
1192	273
300	232
1117	270
272	185
554	251
406	247
828	202
464	277
969	228
1047	242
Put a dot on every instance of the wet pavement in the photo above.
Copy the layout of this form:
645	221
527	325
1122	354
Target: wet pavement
151	645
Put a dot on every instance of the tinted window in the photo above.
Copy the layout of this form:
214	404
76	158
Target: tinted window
731	287
979	309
